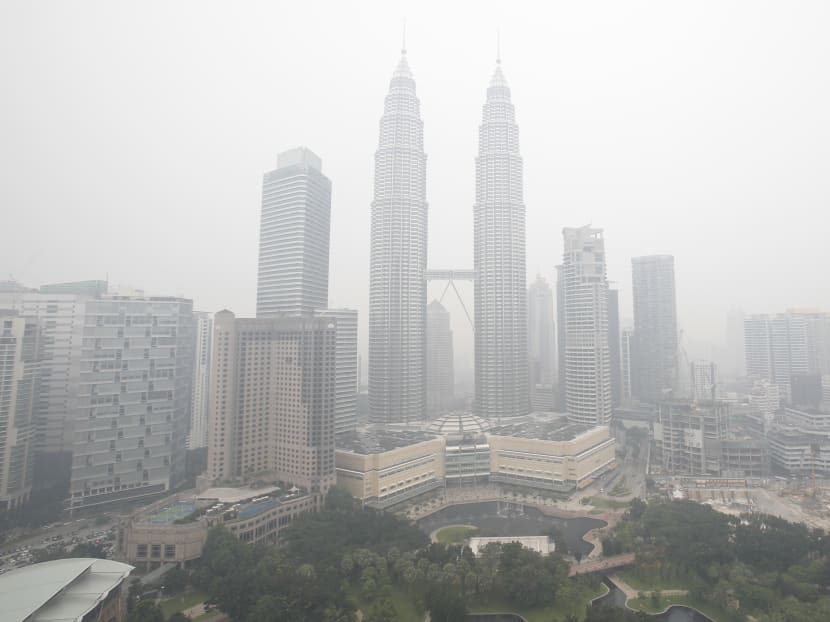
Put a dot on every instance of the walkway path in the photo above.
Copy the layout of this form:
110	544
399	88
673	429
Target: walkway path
631	593
603	564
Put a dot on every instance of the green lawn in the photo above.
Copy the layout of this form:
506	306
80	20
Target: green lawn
189	599
455	534
649	581
710	609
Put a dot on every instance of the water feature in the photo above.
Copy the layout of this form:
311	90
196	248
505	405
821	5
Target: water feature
501	518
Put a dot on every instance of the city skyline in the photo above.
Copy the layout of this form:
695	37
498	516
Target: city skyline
568	123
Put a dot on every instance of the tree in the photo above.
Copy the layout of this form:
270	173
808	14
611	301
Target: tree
339	499
381	611
176	580
446	605
178	617
146	611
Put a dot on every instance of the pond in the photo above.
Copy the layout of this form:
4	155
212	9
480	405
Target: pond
498	518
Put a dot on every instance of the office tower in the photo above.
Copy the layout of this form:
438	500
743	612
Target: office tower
203	335
440	371
272	400
133	406
345	401
766	397
586	355
501	376
704	381
825	393
688	437
397	289
614	345
655	374
541	343
294	236
11	294
818	343
61	320
778	347
626	343
806	390
19	360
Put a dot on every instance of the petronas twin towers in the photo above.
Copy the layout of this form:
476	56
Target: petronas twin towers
397	289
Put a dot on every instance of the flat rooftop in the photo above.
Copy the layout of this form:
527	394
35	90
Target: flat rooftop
543	428
540	544
235	495
368	441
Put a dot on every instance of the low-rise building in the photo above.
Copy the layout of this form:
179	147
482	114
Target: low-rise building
76	589
174	530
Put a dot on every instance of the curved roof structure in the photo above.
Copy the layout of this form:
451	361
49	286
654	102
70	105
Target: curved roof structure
63	590
458	424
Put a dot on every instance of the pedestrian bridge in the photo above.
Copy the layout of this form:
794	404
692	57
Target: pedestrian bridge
603	565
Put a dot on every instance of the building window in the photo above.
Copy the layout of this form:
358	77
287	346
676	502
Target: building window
141	550
155	551
169	550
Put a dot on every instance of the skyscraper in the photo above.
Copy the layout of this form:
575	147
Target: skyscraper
272	399
586	356
19	360
440	371
345	407
704	381
501	375
197	436
294	236
133	406
541	340
655	328
626	342
397	289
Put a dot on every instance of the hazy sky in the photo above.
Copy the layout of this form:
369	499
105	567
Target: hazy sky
134	136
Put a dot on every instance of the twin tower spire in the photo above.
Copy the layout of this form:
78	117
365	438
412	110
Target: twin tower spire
397	288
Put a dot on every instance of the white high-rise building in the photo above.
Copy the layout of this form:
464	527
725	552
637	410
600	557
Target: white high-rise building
704	381
397	289
655	364
294	236
197	437
541	340
19	362
345	407
778	347
440	372
133	406
501	376
766	397
585	364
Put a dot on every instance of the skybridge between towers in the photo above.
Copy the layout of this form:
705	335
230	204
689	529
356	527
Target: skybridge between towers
451	276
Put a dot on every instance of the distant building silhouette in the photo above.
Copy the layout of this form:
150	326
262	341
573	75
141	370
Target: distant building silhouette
541	340
440	371
655	362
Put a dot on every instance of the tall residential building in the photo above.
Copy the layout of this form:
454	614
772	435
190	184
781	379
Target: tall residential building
780	346
294	236
397	289
688	437
614	345
766	397
541	343
346	362
19	361
818	343
203	335
133	406
626	343
501	374
272	400
655	374
704	381
440	370
585	355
